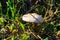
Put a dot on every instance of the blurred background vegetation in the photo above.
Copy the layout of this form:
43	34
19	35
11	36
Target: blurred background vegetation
13	28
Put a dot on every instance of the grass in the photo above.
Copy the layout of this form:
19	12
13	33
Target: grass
13	28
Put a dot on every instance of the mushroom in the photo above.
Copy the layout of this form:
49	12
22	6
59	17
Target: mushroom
32	17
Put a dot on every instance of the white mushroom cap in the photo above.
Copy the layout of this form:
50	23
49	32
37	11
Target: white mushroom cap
32	17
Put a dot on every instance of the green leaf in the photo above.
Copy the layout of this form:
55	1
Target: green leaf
22	26
36	10
52	23
25	37
11	27
46	38
12	37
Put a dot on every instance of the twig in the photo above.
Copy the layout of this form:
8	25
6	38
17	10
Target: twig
36	36
33	7
39	37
